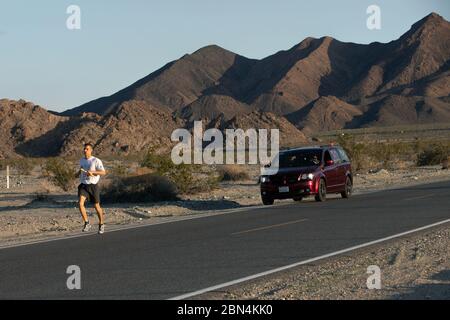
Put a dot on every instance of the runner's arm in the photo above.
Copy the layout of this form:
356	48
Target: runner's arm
98	173
99	169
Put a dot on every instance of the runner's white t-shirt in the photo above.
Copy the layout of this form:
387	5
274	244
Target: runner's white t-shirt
91	164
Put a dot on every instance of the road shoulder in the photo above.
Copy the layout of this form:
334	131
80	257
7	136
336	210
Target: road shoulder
416	266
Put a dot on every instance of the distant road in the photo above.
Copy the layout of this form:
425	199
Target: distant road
168	260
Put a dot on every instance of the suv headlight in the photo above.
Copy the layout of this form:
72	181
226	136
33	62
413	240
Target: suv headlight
307	176
265	179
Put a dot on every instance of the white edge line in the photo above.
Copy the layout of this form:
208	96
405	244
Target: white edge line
265	273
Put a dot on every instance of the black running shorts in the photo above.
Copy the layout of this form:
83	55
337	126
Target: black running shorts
90	191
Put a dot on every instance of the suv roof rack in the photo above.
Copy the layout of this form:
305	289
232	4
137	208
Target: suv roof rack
333	144
311	147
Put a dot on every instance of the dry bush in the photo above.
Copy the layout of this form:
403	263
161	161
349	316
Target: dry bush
233	173
24	166
356	151
433	155
189	179
399	165
446	163
118	169
376	155
144	188
61	173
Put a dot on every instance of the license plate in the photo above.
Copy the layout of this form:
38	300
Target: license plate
283	189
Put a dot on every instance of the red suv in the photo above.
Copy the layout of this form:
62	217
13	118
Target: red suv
309	171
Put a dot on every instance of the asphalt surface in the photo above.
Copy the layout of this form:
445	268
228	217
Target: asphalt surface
172	259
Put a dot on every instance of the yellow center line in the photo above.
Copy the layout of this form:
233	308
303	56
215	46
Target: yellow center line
269	227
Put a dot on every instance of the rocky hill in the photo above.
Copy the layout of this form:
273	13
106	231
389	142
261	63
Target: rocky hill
318	85
213	80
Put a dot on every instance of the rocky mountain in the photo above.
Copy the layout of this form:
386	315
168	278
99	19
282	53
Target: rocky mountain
132	127
30	130
212	106
22	122
179	83
289	134
213	80
317	85
324	114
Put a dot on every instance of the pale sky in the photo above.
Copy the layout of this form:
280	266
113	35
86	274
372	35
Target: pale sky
122	41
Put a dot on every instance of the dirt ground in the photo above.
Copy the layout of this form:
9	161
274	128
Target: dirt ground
422	262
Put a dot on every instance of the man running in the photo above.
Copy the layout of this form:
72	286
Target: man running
91	168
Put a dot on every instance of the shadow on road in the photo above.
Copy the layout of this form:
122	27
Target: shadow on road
206	205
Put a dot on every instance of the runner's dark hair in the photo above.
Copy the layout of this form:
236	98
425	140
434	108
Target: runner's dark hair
89	144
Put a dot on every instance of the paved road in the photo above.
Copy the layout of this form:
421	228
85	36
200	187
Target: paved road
167	260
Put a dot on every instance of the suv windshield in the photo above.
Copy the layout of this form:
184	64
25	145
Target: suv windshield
300	158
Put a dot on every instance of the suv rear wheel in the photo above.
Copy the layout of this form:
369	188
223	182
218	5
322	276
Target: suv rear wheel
322	192
348	188
298	198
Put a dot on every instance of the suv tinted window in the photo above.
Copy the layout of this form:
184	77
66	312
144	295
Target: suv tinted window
335	156
327	156
343	155
300	158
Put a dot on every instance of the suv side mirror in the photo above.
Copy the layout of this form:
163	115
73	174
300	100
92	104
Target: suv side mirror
329	163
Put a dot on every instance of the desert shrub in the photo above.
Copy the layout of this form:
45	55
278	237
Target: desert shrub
119	169
204	182
144	188
161	163
376	155
233	173
24	166
446	163
356	151
60	173
188	179
419	146
4	163
182	175
433	155
389	155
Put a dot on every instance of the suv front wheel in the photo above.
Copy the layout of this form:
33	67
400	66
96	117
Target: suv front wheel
322	192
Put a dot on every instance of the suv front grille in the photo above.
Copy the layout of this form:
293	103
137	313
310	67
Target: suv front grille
284	179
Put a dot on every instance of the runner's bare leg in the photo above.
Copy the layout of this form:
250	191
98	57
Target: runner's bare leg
82	208
99	212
